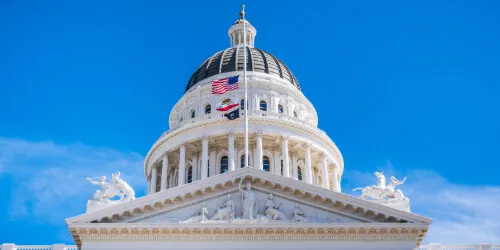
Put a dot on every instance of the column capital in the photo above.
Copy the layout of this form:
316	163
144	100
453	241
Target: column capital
193	154
306	145
285	137
231	134
324	156
294	154
259	134
182	146
204	138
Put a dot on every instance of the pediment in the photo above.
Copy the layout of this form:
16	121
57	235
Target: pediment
285	209
181	203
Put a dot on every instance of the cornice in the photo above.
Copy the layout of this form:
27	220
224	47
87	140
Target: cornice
250	232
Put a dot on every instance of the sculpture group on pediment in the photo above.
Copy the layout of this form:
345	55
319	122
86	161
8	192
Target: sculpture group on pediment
272	209
298	215
382	190
198	217
117	187
249	201
226	210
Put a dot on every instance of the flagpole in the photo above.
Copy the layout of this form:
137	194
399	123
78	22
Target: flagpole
245	83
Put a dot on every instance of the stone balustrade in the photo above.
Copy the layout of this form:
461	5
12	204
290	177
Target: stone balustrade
11	246
438	246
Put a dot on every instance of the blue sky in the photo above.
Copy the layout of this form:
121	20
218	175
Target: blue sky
410	88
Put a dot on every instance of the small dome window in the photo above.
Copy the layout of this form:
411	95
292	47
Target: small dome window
224	165
242	104
263	106
193	114
295	114
266	163
208	109
181	119
190	175
280	108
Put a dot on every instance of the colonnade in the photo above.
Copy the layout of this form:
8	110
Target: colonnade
314	173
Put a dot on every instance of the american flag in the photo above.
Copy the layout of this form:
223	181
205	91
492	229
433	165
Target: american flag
223	85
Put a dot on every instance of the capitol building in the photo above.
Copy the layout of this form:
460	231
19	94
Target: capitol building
204	194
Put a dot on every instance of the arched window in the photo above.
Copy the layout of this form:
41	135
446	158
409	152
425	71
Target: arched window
208	109
299	173
295	114
265	162
280	108
242	104
224	165
190	175
242	161
263	105
193	114
181	119
281	167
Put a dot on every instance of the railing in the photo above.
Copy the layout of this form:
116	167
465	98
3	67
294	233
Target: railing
437	246
10	246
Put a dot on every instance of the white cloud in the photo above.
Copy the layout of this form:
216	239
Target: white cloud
50	183
461	214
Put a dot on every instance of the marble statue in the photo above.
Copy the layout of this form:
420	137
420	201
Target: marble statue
226	210
249	201
272	211
381	190
125	188
117	187
298	215
199	217
391	191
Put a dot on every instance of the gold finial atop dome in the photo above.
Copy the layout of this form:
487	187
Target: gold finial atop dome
242	12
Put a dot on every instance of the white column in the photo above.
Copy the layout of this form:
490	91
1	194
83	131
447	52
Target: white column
254	155
204	158
335	176
213	162
259	165
164	171
230	149
182	165
324	170
284	152
154	173
277	162
194	165
308	169
294	166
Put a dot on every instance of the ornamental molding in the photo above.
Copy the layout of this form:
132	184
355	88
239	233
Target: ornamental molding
148	234
190	128
137	232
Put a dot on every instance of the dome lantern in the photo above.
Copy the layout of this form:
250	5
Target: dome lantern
236	32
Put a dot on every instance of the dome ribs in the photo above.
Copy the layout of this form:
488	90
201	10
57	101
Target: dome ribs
250	59
214	64
232	59
222	60
264	61
278	64
228	60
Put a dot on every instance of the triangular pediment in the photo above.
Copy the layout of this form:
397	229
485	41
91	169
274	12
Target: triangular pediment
179	204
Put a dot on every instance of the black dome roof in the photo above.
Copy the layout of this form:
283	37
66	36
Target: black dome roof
232	60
